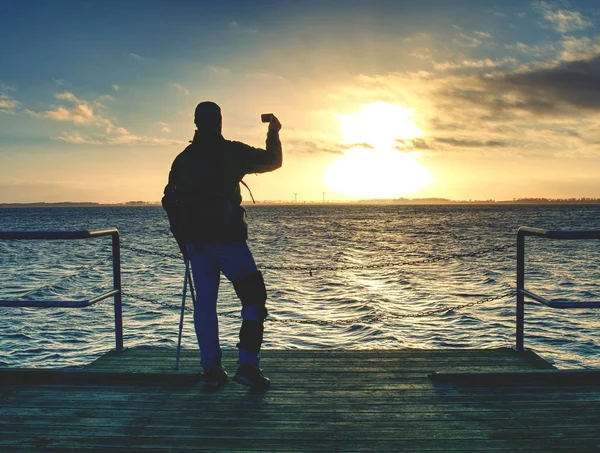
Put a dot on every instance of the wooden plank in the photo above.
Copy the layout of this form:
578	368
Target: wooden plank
511	377
302	401
414	411
296	431
160	360
192	356
345	399
24	376
298	419
326	354
235	390
138	442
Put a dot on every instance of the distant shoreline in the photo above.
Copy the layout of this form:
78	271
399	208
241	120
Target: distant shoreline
68	204
402	201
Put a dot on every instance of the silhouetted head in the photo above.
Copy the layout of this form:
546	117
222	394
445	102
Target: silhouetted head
208	119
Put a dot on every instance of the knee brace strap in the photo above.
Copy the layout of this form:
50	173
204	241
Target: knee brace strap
251	336
251	289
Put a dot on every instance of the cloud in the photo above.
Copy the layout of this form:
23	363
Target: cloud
564	21
580	48
269	76
575	84
431	143
483	34
7	104
80	114
560	89
116	87
181	89
4	88
313	147
475	64
468	143
465	40
541	51
67	97
135	56
131	139
415	143
519	46
422	53
83	115
125	138
235	25
164	127
78	139
219	70
99	102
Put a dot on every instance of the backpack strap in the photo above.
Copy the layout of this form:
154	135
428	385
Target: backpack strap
249	191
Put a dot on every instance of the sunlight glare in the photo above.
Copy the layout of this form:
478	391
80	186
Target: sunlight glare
379	125
377	174
374	168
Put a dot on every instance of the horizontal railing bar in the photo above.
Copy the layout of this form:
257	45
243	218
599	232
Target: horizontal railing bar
534	296
567	304
559	303
104	296
83	234
45	303
529	231
58	303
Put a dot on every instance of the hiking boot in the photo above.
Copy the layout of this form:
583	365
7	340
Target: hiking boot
252	377
215	377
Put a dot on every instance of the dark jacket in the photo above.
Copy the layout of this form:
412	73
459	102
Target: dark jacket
203	198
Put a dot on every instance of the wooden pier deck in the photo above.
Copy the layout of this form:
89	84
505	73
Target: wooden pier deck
331	401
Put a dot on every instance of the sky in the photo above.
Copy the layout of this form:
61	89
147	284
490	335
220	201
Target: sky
457	99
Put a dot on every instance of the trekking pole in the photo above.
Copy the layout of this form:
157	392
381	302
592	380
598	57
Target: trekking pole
185	283
192	292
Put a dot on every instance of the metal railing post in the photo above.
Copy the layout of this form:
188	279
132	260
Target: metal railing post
115	292
522	232
520	309
118	297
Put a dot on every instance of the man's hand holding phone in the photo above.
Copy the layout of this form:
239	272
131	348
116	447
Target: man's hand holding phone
274	124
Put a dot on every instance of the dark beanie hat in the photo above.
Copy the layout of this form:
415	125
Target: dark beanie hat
207	117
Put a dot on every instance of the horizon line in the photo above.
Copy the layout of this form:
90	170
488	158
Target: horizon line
428	200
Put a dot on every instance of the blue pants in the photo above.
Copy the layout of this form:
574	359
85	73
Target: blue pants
208	261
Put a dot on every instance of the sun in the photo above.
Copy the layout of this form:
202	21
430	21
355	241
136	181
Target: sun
370	173
374	167
379	125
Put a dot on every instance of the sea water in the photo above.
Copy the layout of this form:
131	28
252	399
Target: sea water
338	276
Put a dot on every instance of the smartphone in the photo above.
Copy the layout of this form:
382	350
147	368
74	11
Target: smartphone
266	117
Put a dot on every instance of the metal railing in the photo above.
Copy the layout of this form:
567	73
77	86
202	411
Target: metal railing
115	292
522	232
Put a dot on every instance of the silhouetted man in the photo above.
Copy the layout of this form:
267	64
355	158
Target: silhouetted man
202	200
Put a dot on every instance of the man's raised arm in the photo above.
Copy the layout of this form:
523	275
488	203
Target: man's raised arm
264	160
